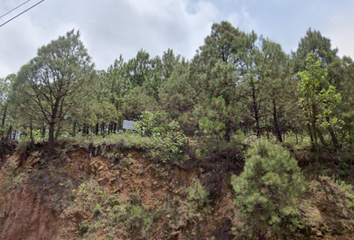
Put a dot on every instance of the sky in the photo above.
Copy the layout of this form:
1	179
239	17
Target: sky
110	28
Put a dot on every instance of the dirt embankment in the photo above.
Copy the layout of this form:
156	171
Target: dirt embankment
68	197
87	194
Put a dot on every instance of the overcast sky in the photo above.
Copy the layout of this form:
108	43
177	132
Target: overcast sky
113	27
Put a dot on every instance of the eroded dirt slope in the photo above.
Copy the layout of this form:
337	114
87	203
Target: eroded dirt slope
80	195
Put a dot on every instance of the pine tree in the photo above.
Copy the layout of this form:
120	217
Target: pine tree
266	192
54	77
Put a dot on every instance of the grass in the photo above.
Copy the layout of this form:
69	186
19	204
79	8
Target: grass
126	140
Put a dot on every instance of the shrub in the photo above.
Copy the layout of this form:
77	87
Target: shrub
347	190
152	123
168	139
267	191
198	198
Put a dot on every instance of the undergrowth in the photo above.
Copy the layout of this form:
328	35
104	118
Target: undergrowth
125	140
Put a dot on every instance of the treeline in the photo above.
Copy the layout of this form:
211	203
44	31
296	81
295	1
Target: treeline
236	82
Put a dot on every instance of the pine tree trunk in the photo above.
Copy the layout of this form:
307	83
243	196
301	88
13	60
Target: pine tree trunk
3	121
333	136
87	129
43	130
256	113
314	132
57	132
102	128
320	136
228	130
311	136
9	132
53	117
74	129
96	129
296	136
109	128
51	141
276	125
31	131
314	126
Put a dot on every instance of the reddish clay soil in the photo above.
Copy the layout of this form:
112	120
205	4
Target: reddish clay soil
37	196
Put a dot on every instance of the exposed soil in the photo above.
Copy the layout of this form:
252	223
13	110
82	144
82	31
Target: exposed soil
73	195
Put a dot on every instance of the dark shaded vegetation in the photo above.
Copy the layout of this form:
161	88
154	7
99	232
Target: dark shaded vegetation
7	148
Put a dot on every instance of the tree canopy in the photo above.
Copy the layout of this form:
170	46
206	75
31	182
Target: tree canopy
236	82
54	80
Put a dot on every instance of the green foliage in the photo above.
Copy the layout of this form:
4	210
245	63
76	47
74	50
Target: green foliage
168	139
152	123
318	98
316	101
346	189
6	102
50	83
111	211
126	140
347	133
266	191
215	124
136	217
138	69
317	44
176	94
137	101
336	189
198	198
212	125
224	42
236	80
211	129
37	135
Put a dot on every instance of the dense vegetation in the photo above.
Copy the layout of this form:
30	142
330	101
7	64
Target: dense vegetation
236	82
238	87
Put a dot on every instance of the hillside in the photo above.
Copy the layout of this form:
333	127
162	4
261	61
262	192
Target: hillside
117	192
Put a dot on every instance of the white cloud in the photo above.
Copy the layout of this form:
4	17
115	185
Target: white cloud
108	28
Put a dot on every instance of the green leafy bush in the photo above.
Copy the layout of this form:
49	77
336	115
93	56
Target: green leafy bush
347	190
152	123
168	139
36	134
111	212
267	191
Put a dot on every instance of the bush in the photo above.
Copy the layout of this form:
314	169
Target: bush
198	198
168	139
267	191
152	123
